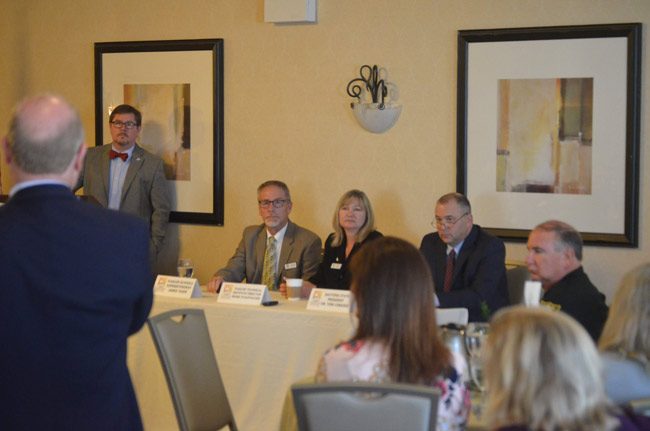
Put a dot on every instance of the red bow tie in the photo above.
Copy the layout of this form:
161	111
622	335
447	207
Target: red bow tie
113	154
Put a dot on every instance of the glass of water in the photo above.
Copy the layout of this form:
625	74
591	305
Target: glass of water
475	339
185	268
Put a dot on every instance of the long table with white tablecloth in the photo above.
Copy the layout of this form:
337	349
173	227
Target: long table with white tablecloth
260	352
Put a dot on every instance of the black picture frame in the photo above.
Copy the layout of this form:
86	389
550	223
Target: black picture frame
489	55
206	69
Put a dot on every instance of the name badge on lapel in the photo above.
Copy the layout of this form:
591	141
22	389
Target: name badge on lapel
336	265
291	265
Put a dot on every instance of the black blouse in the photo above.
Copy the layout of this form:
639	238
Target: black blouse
333	271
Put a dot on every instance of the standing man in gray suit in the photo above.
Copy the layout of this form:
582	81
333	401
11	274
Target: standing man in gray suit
123	176
275	249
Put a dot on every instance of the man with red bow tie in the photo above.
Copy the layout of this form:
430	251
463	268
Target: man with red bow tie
123	176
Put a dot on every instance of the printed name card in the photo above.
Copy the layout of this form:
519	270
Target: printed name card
244	294
333	300
177	287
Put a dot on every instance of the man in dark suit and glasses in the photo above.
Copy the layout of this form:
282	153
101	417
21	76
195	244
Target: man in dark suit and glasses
75	282
467	263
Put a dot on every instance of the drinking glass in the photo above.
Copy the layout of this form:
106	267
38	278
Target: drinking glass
475	336
185	268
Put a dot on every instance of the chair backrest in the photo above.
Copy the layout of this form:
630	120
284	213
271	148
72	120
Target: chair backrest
364	406
183	343
458	316
516	278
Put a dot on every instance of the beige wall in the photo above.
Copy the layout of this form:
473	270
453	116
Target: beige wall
286	110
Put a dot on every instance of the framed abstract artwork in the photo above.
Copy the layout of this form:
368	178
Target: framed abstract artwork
548	128
178	87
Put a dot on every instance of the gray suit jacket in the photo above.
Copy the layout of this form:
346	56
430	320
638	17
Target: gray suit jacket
299	257
145	193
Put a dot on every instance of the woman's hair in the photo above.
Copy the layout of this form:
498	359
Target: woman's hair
367	227
627	329
543	371
392	285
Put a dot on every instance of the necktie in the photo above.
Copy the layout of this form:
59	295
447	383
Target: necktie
113	154
449	269
270	256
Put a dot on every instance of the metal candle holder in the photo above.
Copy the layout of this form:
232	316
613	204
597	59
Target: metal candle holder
379	115
375	86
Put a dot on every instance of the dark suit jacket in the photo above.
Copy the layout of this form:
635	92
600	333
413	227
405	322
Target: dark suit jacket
75	281
145	193
479	273
299	257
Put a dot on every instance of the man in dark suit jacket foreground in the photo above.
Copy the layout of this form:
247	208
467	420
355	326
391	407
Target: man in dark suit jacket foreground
124	176
275	249
467	263
75	282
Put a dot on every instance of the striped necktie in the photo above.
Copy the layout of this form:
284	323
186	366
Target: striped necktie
449	270
270	257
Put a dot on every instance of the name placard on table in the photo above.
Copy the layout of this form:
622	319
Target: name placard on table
243	293
177	287
332	300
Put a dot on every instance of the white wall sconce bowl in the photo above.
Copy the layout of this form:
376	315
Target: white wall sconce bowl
373	110
375	119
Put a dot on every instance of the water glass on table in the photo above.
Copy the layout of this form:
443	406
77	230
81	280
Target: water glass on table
475	338
185	268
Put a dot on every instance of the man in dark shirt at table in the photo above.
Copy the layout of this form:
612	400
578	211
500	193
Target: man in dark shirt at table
75	284
555	259
467	263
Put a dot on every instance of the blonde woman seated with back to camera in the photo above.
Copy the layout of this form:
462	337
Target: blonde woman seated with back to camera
397	338
543	373
625	342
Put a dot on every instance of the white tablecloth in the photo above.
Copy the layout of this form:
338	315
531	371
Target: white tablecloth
260	352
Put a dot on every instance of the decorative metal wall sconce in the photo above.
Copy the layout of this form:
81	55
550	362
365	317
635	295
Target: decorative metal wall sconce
371	109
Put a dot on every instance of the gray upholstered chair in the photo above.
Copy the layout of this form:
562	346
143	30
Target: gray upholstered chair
183	343
363	406
516	278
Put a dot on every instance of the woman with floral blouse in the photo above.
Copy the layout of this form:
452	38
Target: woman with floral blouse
397	338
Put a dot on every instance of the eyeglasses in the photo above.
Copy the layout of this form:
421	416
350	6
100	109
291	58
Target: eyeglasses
277	203
447	221
126	125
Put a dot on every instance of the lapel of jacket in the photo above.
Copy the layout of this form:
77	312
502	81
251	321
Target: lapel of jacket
259	250
287	247
440	261
137	159
465	250
105	169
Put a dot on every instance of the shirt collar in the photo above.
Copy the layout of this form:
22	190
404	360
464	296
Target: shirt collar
129	151
279	236
33	183
456	248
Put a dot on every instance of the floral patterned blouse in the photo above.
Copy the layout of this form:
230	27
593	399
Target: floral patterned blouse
368	361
